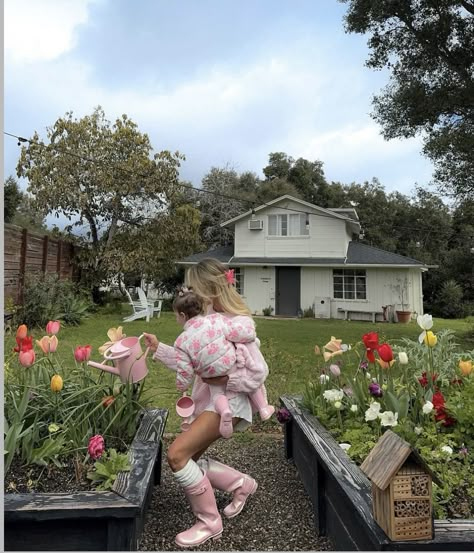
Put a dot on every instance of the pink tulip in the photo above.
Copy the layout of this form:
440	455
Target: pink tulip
96	446
82	353
48	344
335	370
26	358
21	332
53	327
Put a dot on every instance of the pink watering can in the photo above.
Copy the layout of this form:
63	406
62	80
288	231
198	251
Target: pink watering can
128	359
185	408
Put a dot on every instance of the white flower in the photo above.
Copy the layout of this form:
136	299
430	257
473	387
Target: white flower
333	395
388	418
418	430
367	375
427	408
373	411
345	347
446	449
337	404
323	378
426	323
354	408
403	358
345	447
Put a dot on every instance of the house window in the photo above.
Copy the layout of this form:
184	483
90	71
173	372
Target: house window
350	284
292	224
239	280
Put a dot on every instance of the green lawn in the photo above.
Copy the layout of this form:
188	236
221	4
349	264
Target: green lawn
288	346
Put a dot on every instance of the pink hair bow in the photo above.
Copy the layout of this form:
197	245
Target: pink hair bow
229	275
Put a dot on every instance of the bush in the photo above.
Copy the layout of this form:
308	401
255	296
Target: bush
450	300
308	313
47	298
267	311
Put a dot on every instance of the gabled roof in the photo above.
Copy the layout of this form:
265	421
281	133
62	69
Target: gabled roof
388	456
327	211
358	255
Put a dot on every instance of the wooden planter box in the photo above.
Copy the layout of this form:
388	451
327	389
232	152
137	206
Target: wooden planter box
341	493
92	521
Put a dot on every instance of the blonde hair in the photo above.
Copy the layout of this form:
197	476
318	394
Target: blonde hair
207	279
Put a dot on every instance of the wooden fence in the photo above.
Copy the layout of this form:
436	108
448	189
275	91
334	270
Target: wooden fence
29	253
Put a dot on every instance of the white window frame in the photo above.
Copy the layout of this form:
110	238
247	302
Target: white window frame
350	278
283	224
239	279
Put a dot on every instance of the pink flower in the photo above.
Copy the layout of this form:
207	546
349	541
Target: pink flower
212	348
211	333
82	353
196	345
335	370
96	447
26	358
48	344
230	276
53	327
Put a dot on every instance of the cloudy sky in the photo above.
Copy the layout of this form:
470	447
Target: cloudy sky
223	82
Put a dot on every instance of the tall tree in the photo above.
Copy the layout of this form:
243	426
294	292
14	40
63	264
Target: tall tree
103	176
428	46
12	197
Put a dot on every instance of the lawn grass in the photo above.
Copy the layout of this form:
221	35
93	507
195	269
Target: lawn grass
288	346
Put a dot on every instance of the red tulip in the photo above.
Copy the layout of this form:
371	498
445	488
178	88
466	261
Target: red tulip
385	353
107	400
26	358
82	353
371	342
24	344
53	327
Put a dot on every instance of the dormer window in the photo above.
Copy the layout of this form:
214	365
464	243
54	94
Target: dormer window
292	224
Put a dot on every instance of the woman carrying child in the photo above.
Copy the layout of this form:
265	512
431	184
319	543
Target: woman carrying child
210	281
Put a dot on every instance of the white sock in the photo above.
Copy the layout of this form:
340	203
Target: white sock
203	464
190	474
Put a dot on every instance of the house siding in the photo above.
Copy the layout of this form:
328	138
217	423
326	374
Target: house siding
328	237
259	288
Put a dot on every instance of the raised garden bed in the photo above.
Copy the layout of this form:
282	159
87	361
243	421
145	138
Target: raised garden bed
341	493
92	521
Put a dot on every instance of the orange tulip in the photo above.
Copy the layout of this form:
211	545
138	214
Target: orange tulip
48	344
22	332
466	367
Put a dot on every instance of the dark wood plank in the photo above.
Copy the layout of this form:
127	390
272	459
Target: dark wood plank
354	483
42	506
152	425
121	535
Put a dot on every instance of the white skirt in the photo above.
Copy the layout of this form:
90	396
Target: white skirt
241	408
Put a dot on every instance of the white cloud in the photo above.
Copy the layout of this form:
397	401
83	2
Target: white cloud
42	30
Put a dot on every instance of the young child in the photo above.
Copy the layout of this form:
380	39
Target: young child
207	347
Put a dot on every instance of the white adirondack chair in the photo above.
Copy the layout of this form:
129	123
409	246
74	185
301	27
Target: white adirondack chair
141	309
151	303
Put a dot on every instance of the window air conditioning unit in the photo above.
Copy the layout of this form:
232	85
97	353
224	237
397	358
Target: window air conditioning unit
255	224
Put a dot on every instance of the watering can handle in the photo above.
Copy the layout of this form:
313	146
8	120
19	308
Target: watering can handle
114	357
147	349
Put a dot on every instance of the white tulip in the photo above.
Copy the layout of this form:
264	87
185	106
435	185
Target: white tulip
373	411
426	323
333	395
446	449
388	418
418	430
427	408
345	447
324	378
403	358
354	408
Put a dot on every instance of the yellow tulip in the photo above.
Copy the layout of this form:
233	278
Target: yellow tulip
466	367
430	339
56	383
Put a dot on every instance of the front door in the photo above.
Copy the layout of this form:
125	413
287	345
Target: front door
288	286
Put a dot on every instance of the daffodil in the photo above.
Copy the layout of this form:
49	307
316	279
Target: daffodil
114	334
426	323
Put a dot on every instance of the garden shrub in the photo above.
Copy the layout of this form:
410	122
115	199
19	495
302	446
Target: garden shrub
450	301
46	298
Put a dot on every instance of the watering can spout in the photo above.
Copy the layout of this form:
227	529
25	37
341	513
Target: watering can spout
106	368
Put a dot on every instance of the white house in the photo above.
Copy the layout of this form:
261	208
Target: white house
290	255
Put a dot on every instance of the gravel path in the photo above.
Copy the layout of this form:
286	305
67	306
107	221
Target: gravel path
277	518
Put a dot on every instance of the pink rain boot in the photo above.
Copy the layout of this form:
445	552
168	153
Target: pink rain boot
221	404
259	400
228	479
203	504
